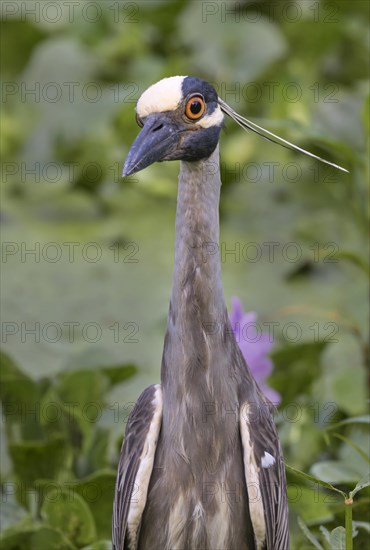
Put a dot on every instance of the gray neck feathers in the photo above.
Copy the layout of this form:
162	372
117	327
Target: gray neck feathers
198	350
197	312
197	293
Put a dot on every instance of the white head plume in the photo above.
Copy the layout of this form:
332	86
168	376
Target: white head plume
266	134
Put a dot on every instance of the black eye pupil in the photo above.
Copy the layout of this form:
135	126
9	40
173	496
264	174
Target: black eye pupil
195	107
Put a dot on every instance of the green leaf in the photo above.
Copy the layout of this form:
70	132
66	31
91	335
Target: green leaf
39	459
97	454
364	482
10	511
83	391
21	38
233	47
99	545
338	539
310	536
20	397
68	511
309	504
355	259
364	419
34	536
288	360
366	115
326	533
61	418
360	525
83	387
354	446
98	492
343	379
335	471
120	373
314	479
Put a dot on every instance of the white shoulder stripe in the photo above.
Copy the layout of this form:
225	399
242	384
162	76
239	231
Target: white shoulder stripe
141	483
252	480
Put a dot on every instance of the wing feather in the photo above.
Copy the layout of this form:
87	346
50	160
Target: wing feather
265	475
135	467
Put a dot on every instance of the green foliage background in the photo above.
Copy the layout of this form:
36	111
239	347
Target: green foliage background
299	69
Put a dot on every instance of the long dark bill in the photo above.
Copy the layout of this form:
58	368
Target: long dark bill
249	125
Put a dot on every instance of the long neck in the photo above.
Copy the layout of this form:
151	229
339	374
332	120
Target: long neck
197	314
197	293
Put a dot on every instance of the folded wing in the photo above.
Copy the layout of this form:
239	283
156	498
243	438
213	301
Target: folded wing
135	468
265	477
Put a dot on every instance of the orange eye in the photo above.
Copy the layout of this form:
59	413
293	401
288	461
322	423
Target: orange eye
195	107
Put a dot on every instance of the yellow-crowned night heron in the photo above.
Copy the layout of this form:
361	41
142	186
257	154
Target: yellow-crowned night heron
201	465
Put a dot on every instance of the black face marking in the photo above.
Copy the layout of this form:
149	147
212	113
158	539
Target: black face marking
197	145
194	85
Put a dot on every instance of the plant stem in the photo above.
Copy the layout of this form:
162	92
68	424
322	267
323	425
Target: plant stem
348	523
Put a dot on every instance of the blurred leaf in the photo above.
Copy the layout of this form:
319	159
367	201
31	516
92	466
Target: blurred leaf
364	419
366	116
83	387
349	442
315	479
97	454
334	471
11	134
20	398
60	417
34	536
39	459
358	434
326	533
290	359
83	391
365	482
309	504
69	511
20	36
98	491
340	121
338	539
120	373
10	511
310	536
355	259
243	51
99	545
73	116
361	525
343	379
96	357
300	434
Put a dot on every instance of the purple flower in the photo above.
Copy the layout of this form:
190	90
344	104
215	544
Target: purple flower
255	346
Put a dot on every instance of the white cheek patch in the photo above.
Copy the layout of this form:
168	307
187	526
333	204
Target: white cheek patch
165	95
267	460
215	119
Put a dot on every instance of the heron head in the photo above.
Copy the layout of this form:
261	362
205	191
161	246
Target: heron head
180	119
